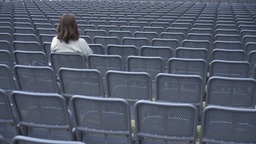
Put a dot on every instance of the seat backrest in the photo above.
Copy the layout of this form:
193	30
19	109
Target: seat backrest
36	78
130	28
6	58
158	122
19	139
97	48
188	66
228	125
103	63
46	37
6	36
136	41
151	65
172	43
159	51
250	46
27	46
32	58
101	120
148	34
229	68
123	50
158	30
180	88
200	36
7	122
42	115
5	45
173	35
6	78
196	44
95	32
132	86
81	82
106	40
252	59
228	54
227	91
227	45
120	34
25	37
70	60
227	37
192	53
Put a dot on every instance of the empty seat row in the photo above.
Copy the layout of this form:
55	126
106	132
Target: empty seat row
107	120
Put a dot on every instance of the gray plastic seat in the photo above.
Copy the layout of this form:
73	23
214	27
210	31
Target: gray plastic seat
103	63
123	50
230	91
6	58
70	60
230	68
6	78
172	43
42	115
81	82
224	125
192	53
27	46
227	45
188	66
228	54
120	34
32	58
94	32
159	51
101	120
173	35
161	122
136	41
8	127
5	45
36	79
106	40
97	48
178	88
196	44
151	65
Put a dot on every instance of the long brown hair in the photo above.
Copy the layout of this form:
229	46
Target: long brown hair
67	29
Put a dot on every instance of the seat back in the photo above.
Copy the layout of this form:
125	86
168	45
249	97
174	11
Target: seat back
36	78
180	88
70	60
42	115
228	125
81	82
159	122
6	78
229	68
101	120
103	63
7	123
236	92
151	65
188	66
32	58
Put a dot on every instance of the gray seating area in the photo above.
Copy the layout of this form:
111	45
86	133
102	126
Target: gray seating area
161	72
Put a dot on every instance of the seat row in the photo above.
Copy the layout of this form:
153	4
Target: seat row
108	120
133	85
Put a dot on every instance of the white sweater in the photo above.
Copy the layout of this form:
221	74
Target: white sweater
79	46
